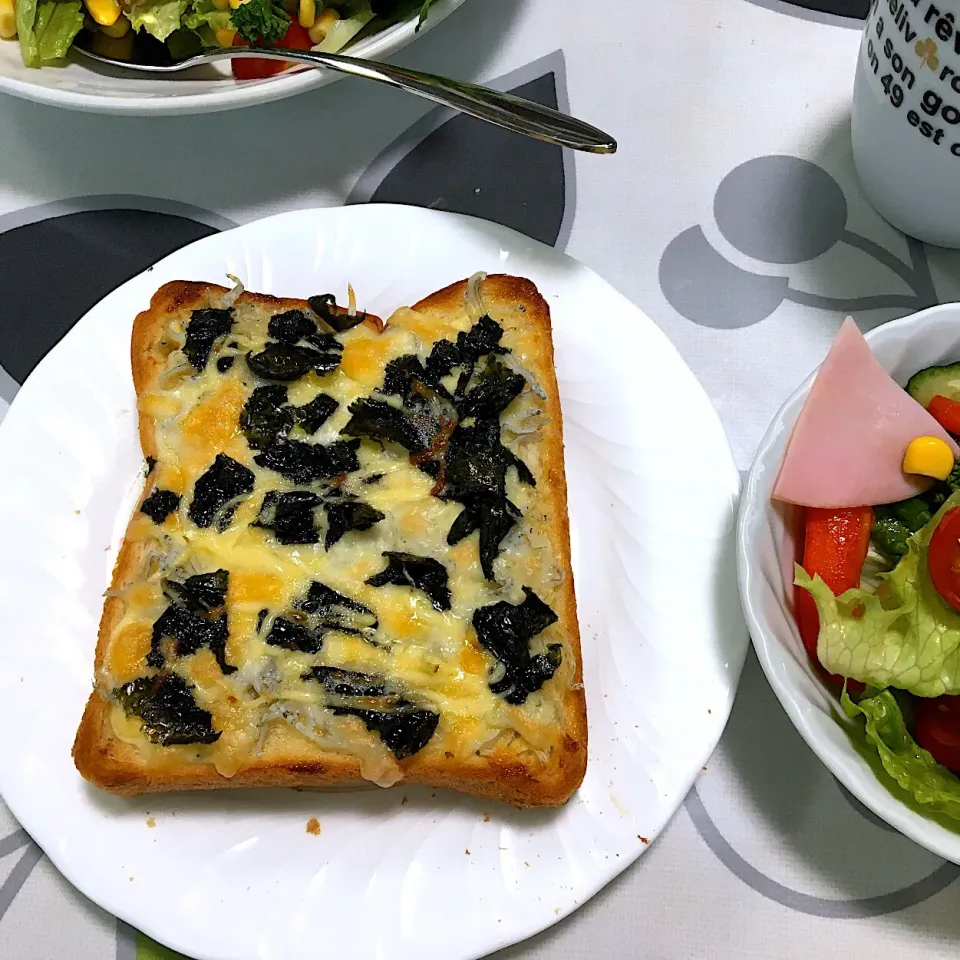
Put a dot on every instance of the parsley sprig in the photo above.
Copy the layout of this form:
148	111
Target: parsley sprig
260	22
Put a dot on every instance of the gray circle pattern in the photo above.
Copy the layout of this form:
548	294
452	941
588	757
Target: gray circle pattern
780	209
876	906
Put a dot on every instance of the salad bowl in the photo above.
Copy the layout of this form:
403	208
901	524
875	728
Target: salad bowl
82	84
768	548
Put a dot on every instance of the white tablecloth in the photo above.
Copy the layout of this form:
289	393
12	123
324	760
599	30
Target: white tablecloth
731	215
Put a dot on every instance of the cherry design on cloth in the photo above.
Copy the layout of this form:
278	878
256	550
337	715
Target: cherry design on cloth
774	816
781	211
450	162
53	269
852	9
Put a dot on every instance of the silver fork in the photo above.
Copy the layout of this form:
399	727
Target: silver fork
502	109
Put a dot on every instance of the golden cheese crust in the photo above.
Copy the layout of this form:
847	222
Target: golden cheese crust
521	778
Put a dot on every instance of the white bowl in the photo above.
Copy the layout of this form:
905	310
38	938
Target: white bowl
94	88
765	556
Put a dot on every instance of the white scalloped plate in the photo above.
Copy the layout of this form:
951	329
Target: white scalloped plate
99	88
438	876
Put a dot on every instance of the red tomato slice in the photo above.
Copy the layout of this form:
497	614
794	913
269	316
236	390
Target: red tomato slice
248	68
937	728
943	557
946	412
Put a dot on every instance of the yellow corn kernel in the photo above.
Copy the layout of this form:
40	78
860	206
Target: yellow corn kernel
928	457
116	48
323	24
234	4
8	20
119	29
105	12
225	36
307	14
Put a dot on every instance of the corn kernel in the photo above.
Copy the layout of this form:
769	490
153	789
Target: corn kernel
928	457
235	4
119	29
323	24
8	20
105	12
116	48
225	36
307	14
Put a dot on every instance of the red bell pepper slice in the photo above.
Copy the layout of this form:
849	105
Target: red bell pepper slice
835	546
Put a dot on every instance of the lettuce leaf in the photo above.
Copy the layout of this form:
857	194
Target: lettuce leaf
159	18
903	635
57	24
931	785
204	19
26	18
47	29
205	14
344	30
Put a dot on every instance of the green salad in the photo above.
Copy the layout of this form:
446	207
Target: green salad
878	586
901	641
174	29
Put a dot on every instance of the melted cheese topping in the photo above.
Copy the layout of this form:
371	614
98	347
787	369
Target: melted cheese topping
266	710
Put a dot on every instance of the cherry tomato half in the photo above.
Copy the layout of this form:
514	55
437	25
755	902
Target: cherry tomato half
937	728
943	557
248	68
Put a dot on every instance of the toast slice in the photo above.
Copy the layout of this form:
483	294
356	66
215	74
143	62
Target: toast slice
351	557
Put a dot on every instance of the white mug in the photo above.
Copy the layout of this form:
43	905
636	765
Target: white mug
906	116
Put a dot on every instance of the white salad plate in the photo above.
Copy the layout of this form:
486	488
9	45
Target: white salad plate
766	551
85	85
407	872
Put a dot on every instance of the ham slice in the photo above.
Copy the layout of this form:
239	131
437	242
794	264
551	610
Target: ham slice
848	443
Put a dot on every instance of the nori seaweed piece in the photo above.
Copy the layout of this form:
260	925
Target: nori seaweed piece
378	420
204	328
283	362
223	481
404	730
302	462
325	307
160	504
313	415
166	707
495	388
421	573
347	513
330	610
290	516
264	418
506	630
195	618
293	636
494	517
291	326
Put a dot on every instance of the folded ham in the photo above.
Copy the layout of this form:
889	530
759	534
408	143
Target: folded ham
847	447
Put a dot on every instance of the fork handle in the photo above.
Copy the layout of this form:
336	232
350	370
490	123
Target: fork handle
502	109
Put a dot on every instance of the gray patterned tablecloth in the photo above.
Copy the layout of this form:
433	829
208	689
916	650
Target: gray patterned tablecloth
731	215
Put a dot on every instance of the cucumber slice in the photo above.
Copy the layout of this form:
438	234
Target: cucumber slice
933	381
